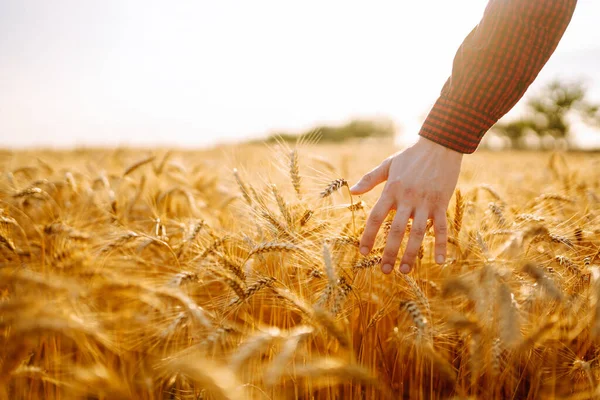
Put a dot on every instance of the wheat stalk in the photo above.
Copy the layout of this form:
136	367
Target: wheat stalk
415	314
459	210
334	186
242	187
367	263
135	166
274	247
295	172
543	280
283	207
510	333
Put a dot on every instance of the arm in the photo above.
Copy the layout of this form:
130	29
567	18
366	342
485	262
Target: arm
492	70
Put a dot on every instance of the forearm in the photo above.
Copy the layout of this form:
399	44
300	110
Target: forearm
493	68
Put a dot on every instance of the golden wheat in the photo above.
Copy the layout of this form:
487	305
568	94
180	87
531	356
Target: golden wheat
163	276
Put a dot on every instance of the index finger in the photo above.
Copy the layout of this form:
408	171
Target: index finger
376	218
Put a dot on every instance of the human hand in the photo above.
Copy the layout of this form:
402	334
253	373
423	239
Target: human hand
420	183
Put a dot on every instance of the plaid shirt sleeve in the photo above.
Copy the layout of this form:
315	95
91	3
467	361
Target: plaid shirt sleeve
493	68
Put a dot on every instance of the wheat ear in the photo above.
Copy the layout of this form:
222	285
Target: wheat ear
295	172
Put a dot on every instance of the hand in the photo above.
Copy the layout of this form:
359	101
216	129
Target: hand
420	183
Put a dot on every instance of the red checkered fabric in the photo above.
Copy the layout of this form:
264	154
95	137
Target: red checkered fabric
493	68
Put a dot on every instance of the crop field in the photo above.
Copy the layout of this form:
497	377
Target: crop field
234	273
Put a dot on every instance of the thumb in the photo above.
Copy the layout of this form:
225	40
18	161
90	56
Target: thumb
372	179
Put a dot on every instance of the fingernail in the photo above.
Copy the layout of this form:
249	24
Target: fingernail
353	188
439	259
387	268
405	268
364	250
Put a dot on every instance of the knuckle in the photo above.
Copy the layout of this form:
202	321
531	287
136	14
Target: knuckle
418	231
397	229
435	197
409	192
394	183
391	188
376	218
441	229
404	209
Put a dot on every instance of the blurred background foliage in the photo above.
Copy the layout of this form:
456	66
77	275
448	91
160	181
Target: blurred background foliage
549	114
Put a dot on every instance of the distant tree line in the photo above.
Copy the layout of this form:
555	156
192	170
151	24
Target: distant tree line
355	129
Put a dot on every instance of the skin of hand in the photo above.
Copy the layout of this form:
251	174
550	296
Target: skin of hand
419	184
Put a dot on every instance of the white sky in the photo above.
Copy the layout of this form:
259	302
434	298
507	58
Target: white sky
79	72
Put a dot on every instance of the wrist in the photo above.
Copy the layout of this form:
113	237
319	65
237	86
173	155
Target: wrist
437	148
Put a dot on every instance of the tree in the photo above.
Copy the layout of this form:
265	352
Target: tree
548	113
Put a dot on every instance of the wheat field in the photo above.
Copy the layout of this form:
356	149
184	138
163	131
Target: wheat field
234	273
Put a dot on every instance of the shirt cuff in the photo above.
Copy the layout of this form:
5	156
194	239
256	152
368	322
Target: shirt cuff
456	126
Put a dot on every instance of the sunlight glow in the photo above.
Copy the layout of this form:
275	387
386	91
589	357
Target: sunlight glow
196	73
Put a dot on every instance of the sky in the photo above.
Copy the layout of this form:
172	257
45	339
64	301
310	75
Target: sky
188	74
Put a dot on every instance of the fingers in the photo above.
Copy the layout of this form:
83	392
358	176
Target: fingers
394	240
417	232
440	226
372	179
376	217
